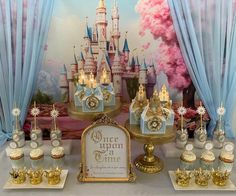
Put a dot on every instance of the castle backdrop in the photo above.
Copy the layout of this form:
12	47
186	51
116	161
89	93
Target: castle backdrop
68	30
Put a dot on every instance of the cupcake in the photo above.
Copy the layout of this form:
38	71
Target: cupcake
17	158
37	158
207	157
58	155
188	158
226	158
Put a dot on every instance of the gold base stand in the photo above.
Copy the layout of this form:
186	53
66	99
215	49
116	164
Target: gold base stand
148	162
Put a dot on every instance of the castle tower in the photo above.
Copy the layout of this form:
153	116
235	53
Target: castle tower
74	66
143	74
89	65
137	65
81	61
117	75
151	79
111	48
63	83
103	63
95	34
133	63
126	50
101	24
115	25
87	37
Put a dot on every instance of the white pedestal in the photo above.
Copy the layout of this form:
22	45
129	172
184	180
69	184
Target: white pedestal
46	147
169	150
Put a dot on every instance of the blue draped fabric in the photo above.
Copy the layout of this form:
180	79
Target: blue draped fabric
24	26
206	33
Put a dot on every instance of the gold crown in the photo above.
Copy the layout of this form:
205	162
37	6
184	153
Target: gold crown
183	177
220	178
35	176
18	176
202	177
53	176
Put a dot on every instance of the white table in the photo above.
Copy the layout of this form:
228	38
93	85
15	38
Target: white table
146	184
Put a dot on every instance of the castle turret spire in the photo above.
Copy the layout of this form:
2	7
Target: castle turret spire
86	35
101	24
115	24
143	73
117	74
101	4
89	66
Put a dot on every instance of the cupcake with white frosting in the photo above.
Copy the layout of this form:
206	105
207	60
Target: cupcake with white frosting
226	158
58	155
17	158
207	157
37	158
188	158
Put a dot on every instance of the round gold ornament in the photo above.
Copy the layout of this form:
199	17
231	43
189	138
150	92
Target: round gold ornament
92	102
154	124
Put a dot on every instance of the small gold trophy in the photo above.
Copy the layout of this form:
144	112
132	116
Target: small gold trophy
35	176
18	176
53	176
202	177
220	178
183	177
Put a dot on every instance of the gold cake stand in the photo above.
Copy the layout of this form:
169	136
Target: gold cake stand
77	113
148	162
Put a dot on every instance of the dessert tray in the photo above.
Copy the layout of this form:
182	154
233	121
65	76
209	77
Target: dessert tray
194	187
43	185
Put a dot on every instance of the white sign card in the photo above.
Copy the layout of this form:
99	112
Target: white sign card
105	152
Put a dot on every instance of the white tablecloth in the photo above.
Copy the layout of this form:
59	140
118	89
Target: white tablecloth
146	184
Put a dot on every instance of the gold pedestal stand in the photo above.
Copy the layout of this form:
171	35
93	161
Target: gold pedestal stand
77	113
148	162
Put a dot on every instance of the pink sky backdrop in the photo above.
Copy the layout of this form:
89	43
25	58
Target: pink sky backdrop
155	18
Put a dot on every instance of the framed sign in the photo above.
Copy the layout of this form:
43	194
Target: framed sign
105	151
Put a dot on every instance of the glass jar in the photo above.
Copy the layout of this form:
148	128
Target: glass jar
219	135
58	156
17	158
36	135
207	157
181	138
226	158
37	158
18	139
36	138
55	137
200	137
188	158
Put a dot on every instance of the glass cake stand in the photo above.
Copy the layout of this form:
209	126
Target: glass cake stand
148	162
77	113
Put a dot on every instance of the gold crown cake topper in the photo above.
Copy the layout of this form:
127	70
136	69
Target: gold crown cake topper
18	176
183	177
202	177
220	178
35	176
53	176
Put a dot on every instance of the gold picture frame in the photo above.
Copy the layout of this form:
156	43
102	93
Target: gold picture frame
85	170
